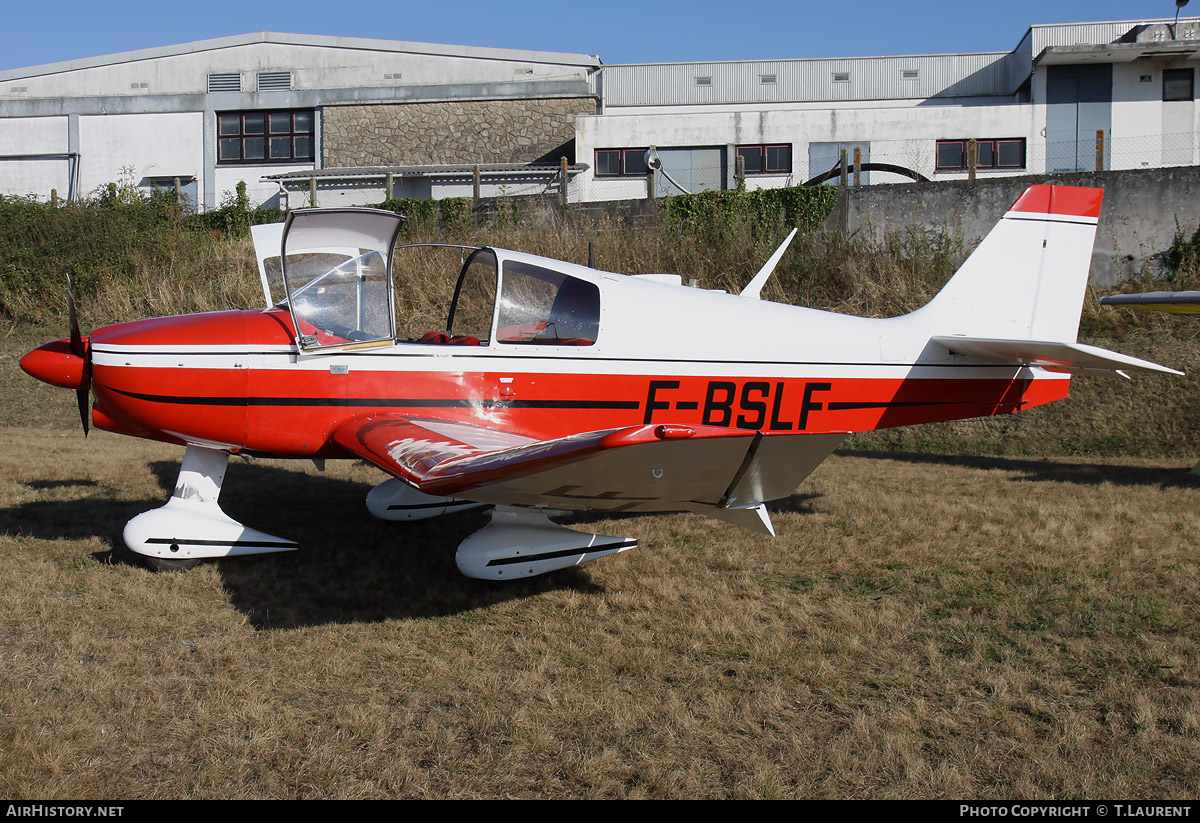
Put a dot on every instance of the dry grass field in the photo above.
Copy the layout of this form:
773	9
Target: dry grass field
924	626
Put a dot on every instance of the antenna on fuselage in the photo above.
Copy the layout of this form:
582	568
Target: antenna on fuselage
753	289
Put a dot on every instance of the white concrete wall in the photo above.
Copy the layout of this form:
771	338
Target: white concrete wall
34	135
258	191
146	145
1136	116
1146	132
904	136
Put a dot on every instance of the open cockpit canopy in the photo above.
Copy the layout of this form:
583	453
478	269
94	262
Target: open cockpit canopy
337	274
333	270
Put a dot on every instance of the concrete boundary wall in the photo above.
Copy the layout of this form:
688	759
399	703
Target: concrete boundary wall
1141	213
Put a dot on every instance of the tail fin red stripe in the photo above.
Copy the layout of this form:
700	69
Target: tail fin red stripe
1071	200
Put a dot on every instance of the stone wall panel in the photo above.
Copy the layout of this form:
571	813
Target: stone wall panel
474	131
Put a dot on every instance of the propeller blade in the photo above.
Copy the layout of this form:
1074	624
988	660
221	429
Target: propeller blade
76	337
82	396
85	408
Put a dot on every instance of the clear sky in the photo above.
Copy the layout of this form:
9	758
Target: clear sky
619	31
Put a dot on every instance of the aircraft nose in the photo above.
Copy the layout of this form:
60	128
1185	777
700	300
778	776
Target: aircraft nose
56	364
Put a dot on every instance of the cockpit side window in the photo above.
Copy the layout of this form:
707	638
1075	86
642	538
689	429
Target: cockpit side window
544	307
474	299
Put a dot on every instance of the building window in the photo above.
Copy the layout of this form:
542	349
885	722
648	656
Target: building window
1178	84
621	162
767	159
265	136
1004	153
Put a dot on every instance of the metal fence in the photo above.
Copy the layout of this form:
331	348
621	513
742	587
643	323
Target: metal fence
350	187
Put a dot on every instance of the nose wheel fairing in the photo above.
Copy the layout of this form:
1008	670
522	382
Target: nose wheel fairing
191	525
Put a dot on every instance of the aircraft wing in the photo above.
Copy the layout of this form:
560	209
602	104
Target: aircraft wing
1078	358
649	467
1175	302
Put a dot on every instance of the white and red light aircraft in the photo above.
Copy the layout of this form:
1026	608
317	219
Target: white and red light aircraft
557	386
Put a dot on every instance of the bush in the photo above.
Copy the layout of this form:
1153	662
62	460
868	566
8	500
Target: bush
118	241
1182	260
716	212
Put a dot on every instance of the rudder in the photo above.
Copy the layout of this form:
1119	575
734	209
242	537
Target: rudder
1028	277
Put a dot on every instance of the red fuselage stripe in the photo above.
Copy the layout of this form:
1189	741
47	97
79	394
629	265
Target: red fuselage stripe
294	412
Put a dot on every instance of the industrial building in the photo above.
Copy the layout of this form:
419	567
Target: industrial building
215	112
292	115
1036	109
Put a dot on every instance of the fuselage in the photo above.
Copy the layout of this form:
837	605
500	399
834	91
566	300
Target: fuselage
236	380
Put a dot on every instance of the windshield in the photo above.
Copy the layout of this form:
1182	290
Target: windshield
346	304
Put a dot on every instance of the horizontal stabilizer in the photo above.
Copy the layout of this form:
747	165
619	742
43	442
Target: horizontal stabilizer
1078	358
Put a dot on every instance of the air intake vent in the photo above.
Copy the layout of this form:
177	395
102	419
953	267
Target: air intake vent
704	81
767	79
274	81
224	82
908	74
841	77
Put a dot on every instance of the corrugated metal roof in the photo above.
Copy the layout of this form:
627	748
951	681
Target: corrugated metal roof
452	169
825	79
851	78
1091	34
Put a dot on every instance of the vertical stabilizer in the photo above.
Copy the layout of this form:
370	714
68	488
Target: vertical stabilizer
1026	280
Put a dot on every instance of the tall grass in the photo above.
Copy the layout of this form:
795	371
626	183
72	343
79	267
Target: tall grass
130	257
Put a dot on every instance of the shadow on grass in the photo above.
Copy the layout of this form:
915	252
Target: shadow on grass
1050	469
58	484
793	504
350	568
